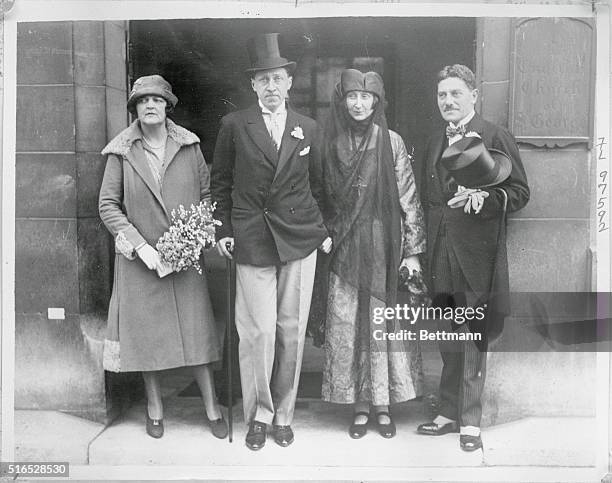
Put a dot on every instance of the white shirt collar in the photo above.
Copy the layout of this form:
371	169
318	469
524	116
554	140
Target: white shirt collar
282	109
464	121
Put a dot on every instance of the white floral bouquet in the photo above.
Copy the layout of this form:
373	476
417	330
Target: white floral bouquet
191	230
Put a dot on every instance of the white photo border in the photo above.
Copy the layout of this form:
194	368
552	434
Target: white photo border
73	10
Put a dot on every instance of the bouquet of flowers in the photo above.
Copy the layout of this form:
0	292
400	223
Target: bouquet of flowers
191	230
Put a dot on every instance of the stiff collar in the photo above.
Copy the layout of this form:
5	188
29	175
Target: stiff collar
282	109
463	121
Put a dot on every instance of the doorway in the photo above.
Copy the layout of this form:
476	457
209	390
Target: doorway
204	60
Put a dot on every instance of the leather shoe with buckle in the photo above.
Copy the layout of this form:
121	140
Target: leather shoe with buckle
470	443
386	430
357	431
435	429
155	427
256	437
283	435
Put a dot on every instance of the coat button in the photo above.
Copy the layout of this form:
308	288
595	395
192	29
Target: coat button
433	176
292	211
266	211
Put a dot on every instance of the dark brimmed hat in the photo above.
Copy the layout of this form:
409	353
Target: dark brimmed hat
151	85
473	165
355	80
264	54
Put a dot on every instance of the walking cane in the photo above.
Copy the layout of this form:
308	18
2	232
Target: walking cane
228	328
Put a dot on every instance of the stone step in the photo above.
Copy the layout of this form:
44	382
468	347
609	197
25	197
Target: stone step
322	441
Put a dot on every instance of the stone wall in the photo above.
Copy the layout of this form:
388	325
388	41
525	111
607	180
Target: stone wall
71	91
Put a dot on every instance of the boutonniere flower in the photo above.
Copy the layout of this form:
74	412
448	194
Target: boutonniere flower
297	132
472	134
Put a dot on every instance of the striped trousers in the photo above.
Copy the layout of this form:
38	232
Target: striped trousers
464	365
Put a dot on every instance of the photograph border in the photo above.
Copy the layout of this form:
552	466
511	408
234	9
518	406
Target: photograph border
73	10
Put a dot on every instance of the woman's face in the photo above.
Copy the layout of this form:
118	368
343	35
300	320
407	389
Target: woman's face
360	104
151	110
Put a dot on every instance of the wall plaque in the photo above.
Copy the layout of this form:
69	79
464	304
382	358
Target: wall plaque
553	81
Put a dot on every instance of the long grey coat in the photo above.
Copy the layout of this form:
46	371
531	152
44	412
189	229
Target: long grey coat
154	323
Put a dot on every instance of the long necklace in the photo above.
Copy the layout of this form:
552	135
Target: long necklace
148	141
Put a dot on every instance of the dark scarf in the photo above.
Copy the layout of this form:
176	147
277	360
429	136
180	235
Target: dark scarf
361	187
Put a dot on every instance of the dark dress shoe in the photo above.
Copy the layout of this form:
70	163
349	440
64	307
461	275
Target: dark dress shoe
386	430
155	427
357	431
283	435
256	437
218	428
434	429
470	443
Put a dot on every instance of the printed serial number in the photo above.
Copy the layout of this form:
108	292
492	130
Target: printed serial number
14	469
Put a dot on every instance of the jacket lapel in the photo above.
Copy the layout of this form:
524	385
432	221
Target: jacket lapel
475	124
137	158
439	144
172	147
289	142
256	128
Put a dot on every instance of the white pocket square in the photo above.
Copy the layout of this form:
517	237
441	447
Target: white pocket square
305	151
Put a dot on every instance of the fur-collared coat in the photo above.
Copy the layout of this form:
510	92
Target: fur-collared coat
154	323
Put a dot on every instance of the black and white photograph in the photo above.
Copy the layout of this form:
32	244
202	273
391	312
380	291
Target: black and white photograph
305	240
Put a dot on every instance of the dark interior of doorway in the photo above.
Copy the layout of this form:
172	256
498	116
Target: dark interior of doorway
204	60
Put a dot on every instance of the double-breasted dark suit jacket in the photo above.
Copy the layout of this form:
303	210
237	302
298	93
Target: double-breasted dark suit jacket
267	199
477	240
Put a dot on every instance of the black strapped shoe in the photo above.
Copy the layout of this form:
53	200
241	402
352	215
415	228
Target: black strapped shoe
386	430
357	431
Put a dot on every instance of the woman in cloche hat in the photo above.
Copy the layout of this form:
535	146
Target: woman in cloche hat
156	323
376	224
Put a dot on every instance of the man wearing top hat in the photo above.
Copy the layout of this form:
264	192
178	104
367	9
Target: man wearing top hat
472	176
266	184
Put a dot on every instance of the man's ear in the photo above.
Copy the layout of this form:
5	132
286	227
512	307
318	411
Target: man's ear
475	95
253	84
290	82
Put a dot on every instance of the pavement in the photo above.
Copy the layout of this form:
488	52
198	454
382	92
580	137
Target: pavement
556	447
321	440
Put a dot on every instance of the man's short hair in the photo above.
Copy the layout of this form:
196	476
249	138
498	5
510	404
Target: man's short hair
461	72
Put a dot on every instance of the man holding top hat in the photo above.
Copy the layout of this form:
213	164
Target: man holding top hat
473	176
264	175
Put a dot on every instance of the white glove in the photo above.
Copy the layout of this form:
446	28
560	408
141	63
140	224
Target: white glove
326	246
149	256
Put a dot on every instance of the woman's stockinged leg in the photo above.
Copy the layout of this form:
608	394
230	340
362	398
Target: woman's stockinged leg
382	418
203	375
361	407
153	392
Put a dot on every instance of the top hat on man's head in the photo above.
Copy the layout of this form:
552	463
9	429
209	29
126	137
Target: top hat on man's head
264	54
473	165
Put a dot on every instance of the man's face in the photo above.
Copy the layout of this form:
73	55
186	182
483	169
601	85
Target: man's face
455	99
272	87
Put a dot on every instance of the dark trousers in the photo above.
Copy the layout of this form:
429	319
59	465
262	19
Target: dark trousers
464	364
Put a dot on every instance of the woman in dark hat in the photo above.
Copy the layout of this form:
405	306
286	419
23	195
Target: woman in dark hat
376	224
156	323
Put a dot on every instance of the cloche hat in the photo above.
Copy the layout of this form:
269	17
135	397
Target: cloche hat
151	85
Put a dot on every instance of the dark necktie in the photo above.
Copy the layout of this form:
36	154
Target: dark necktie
454	131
